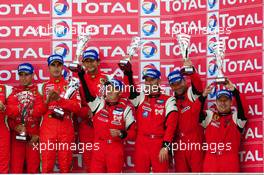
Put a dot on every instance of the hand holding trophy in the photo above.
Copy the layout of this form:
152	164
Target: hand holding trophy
125	64
73	85
82	41
184	43
219	53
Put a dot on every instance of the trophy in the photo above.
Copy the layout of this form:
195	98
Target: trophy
23	136
125	64
81	43
184	42
73	85
219	53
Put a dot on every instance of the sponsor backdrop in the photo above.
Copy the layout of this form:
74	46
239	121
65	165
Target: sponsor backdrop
31	30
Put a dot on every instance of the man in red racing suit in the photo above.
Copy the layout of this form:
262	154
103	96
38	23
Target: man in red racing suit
156	121
24	109
223	129
5	91
113	120
188	130
94	80
57	133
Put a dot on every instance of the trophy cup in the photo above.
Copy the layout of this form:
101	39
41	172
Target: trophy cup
219	53
81	43
125	64
184	42
23	136
73	85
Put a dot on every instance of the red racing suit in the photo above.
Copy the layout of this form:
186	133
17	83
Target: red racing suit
55	132
225	132
189	129
5	91
156	121
28	102
86	131
109	157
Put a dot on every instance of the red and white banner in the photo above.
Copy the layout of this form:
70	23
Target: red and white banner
32	30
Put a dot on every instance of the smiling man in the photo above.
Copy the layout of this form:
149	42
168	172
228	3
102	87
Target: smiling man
156	121
223	127
94	79
113	121
188	129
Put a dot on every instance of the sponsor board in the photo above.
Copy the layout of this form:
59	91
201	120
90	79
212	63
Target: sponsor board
253	132
22	9
28	29
24	51
104	8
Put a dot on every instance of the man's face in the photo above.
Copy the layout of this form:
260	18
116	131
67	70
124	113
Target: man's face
112	94
151	85
55	69
91	66
25	79
179	87
223	104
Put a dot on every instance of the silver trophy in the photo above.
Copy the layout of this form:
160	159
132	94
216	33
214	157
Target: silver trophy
125	64
82	41
27	102
184	43
23	136
73	85
219	53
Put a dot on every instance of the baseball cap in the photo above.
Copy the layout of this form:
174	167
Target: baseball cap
91	54
116	83
151	71
175	76
55	57
223	92
25	67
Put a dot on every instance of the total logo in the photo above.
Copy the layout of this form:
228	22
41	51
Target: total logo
63	49
150	8
61	8
212	21
212	4
150	27
62	29
211	41
150	50
212	67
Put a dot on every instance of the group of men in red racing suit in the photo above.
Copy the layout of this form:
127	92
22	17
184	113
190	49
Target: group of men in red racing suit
109	116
